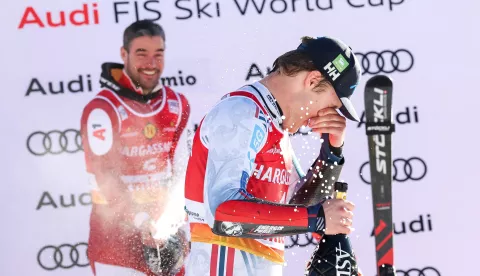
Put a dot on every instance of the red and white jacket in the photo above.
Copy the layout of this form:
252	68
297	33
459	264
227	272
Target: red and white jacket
240	152
136	150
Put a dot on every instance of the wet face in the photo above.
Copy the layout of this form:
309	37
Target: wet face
144	61
321	98
309	100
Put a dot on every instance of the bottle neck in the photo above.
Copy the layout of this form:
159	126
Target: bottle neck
341	195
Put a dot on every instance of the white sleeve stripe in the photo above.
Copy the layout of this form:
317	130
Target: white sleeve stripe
180	109
114	108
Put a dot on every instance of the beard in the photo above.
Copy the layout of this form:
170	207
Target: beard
147	82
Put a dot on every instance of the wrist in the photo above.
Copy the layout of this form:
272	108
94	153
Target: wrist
316	218
336	143
337	151
329	149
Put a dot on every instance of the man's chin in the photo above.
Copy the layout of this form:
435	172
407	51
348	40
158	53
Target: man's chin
291	130
148	86
303	128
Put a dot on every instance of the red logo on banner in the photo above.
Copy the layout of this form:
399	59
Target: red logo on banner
60	19
99	133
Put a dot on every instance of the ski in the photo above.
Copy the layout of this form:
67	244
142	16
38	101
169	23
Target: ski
379	129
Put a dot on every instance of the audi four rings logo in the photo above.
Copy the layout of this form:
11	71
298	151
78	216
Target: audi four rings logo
65	256
386	61
413	168
427	271
303	240
41	143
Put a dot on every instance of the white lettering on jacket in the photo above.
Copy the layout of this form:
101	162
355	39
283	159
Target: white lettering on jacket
273	175
145	150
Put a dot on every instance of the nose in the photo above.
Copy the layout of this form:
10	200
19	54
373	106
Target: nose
151	62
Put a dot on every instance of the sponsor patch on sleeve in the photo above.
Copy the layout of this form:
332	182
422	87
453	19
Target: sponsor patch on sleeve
257	138
123	113
173	106
100	132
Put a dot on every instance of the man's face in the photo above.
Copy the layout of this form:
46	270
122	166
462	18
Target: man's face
144	61
323	97
310	100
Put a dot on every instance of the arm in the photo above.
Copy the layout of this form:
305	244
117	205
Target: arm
182	144
99	128
174	203
318	182
180	153
171	230
234	133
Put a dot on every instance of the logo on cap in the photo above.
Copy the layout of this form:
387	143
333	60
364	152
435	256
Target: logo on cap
335	67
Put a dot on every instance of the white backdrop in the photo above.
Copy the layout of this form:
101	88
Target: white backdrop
439	91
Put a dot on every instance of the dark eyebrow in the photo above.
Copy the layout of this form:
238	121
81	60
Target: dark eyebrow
141	50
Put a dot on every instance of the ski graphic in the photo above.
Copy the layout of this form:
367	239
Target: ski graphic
379	127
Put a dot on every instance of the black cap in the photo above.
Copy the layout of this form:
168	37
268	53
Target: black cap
337	62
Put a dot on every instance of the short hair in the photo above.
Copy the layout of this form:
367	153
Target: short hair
141	28
295	61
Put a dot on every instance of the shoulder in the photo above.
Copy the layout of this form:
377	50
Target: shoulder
180	96
102	100
180	102
237	116
100	110
236	109
240	105
106	101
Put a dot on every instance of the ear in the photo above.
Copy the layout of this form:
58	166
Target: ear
123	54
312	79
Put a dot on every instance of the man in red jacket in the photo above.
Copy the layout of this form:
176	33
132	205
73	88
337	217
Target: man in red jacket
134	134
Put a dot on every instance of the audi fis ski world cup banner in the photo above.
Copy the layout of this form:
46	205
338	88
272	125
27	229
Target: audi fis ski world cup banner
52	57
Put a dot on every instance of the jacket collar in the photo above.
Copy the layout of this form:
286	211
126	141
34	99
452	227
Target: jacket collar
269	101
115	78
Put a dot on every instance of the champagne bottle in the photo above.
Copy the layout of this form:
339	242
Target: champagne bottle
334	254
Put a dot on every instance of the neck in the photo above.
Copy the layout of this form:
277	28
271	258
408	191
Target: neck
274	84
146	91
279	86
